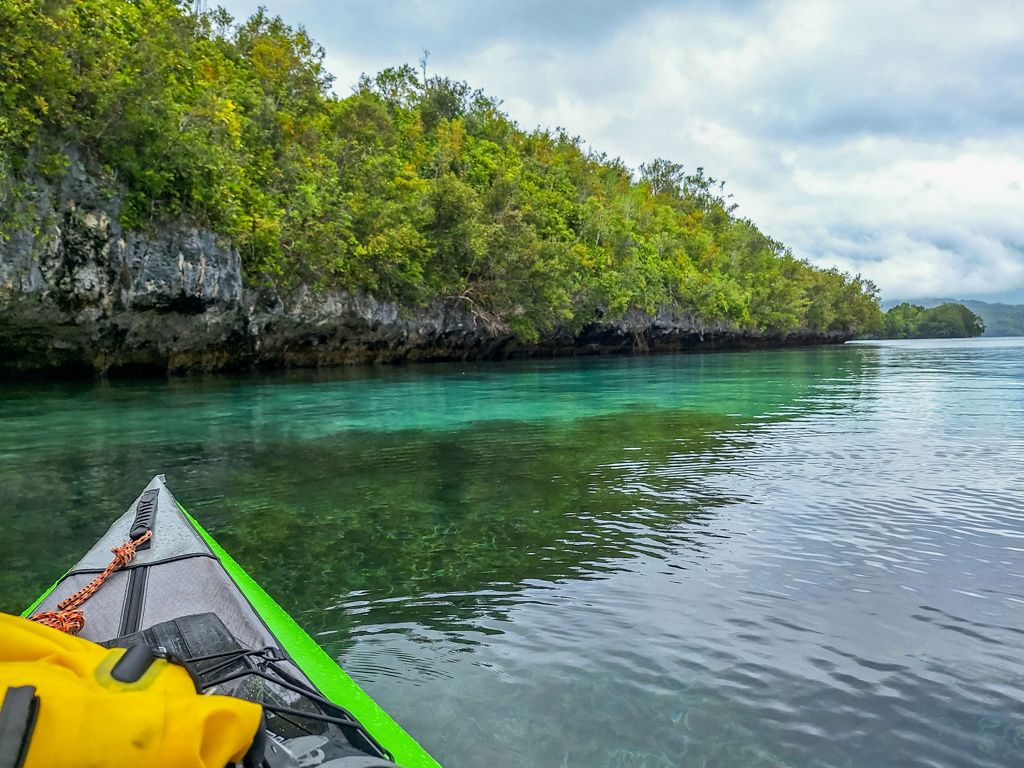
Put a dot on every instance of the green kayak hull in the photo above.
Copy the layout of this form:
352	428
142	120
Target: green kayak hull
184	571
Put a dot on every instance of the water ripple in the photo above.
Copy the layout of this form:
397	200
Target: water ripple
803	558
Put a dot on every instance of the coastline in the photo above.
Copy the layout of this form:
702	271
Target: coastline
80	296
334	328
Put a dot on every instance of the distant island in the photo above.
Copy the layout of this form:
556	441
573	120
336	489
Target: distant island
948	320
179	191
998	319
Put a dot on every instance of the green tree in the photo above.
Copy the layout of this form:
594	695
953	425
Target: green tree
416	189
947	321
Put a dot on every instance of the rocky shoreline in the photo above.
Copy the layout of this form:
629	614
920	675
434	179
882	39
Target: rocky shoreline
79	295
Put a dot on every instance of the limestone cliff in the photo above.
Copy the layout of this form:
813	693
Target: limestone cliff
78	293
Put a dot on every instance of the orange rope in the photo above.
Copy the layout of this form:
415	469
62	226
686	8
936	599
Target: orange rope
68	617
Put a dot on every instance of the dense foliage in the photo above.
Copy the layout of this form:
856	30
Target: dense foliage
999	319
946	321
413	188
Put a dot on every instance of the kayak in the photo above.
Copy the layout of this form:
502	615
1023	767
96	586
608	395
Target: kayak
184	596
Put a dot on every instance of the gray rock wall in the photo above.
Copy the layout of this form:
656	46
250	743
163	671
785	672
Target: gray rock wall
78	293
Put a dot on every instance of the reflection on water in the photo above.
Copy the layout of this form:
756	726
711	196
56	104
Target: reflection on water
795	558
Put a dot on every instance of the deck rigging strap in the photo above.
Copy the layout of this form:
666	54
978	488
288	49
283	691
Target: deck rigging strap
265	663
69	617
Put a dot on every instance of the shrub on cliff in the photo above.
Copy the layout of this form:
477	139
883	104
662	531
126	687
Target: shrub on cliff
413	189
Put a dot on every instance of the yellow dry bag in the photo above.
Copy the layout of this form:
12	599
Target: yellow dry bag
66	702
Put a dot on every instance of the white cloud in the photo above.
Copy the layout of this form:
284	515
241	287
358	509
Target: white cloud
885	138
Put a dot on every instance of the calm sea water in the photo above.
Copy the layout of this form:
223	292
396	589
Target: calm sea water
792	558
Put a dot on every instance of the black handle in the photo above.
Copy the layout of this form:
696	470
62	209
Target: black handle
145	517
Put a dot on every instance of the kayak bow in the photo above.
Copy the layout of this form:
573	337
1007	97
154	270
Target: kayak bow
182	571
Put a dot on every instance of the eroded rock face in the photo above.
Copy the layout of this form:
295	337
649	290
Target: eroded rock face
78	293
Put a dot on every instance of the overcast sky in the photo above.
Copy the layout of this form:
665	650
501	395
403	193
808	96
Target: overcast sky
885	138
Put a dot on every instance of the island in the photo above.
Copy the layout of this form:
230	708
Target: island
180	191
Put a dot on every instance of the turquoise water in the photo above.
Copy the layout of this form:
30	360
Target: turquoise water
788	558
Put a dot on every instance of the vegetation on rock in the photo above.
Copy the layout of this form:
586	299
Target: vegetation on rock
946	321
414	189
999	319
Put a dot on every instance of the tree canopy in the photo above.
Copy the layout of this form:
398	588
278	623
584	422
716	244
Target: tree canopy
946	321
413	188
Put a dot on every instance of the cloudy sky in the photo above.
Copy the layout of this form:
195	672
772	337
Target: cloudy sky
886	138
